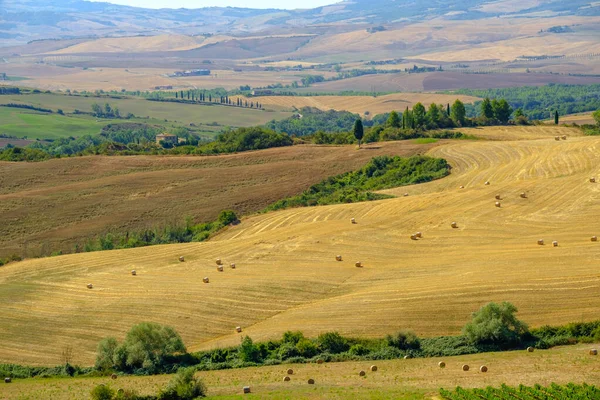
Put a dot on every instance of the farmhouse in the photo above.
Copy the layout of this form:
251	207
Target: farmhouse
167	138
193	72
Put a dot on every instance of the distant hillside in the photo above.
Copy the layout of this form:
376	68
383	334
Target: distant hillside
25	20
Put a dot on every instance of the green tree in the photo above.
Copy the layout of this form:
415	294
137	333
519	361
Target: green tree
393	120
502	110
407	119
596	116
434	115
105	357
419	114
556	118
102	392
247	351
495	324
333	342
404	340
183	386
227	217
486	108
458	113
358	131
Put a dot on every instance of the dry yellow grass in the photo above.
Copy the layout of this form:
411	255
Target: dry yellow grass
414	378
287	278
580	119
134	44
361	104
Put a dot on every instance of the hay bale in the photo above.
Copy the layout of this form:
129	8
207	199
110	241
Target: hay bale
593	352
7	380
220	268
594	238
419	235
405	194
483	369
219	262
523	195
358	264
487	183
373	368
541	242
238	329
407	357
113	377
362	373
454	225
353	220
413	236
90	286
442	364
232	265
564	137
498	204
205	279
556	137
181	259
290	371
338	258
319	361
287	379
311	381
593	180
555	243
530	349
498	197
133	272
246	389
462	187
465	367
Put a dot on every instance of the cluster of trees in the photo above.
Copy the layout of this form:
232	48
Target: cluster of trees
310	120
215	96
9	90
27	107
107	111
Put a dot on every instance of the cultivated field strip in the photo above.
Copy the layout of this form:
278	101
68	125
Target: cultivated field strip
286	276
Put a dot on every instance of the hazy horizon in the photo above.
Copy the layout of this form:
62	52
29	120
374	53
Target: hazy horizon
191	4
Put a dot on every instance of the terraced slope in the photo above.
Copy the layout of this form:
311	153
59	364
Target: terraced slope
287	277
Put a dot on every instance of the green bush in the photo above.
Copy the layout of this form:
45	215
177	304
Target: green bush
404	340
288	350
292	337
495	324
102	392
183	386
332	342
247	351
307	348
358	350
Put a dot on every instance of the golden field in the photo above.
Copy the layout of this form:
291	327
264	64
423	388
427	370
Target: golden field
372	105
287	277
414	378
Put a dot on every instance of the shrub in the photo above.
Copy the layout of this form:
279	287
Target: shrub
332	342
106	353
227	217
495	324
404	340
307	348
358	350
183	386
102	392
247	351
288	350
292	337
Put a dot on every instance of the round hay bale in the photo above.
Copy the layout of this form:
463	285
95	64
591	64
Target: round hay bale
238	329
498	204
413	236
287	379
483	369
407	357
113	377
541	242
465	367
523	195
563	137
498	197
362	373
338	258
405	194
232	265
219	262
419	235
181	259
353	220
593	352
246	389
593	180
205	279
290	371
373	368
358	264
594	238
442	364
90	286
220	268
319	361
454	225
7	380
530	349
311	381
462	187
133	272
556	137
487	183
555	243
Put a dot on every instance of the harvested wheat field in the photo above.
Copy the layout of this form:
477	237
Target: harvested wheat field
286	276
414	378
361	104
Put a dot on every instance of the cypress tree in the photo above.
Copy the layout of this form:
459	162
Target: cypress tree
358	131
556	117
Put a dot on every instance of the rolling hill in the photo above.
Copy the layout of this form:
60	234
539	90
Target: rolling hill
287	277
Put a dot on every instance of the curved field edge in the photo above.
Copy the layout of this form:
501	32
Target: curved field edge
413	378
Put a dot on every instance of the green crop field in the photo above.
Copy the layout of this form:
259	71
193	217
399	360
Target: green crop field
37	125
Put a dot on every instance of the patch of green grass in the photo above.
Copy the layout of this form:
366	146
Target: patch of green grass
36	125
425	140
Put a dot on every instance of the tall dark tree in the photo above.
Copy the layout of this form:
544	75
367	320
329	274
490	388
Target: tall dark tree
502	110
458	113
486	108
448	109
176	95
393	120
434	115
556	118
358	131
419	114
